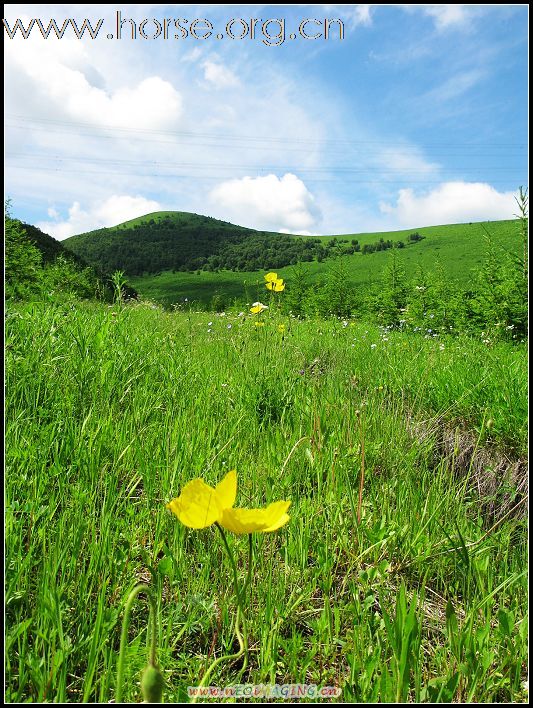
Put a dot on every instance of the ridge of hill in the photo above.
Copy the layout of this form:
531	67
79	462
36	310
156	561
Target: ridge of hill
49	247
457	249
182	241
176	244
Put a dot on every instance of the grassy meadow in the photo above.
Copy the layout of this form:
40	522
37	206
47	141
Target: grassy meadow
401	575
460	248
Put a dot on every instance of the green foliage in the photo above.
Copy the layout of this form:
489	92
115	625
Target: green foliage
381	245
458	247
523	205
392	300
179	241
336	297
118	282
23	261
298	292
499	304
63	278
38	267
110	411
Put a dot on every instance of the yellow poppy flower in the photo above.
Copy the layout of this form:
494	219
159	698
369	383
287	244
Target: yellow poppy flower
258	307
200	505
276	285
271	277
281	328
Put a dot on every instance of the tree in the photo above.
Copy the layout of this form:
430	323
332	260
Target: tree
393	298
23	261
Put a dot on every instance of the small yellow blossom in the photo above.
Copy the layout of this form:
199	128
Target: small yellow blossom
281	328
271	277
276	285
258	307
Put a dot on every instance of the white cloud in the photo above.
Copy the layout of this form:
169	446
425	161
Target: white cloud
361	15
405	159
455	86
60	75
194	55
444	16
451	17
447	15
353	15
268	202
111	212
219	75
449	203
300	232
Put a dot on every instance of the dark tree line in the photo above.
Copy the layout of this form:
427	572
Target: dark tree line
189	242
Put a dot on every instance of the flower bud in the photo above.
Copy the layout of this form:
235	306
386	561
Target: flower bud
152	684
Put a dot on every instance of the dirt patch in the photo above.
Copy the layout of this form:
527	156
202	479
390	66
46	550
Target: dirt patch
500	481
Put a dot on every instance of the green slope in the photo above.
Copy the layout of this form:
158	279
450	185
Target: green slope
48	246
458	248
180	241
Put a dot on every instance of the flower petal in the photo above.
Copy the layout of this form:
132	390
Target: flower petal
270	277
276	515
197	506
279	523
226	490
242	521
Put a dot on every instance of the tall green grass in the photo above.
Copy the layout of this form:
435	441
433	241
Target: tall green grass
110	411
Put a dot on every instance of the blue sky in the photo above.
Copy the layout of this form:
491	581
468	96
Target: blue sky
417	116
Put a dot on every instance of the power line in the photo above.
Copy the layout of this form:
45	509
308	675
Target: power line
253	167
61	170
244	138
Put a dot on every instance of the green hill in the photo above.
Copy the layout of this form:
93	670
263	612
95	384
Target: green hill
49	248
180	241
173	256
457	248
36	263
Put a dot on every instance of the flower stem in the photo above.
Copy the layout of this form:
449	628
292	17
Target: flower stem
124	635
242	638
227	657
250	560
233	564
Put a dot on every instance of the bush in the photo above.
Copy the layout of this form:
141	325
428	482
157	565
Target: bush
23	262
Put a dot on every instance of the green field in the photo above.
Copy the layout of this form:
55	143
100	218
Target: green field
401	575
459	248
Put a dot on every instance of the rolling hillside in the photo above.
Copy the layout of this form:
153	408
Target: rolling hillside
180	241
458	248
48	246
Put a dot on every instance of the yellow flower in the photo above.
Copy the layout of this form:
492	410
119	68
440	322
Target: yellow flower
271	277
199	506
259	324
258	307
281	328
276	285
